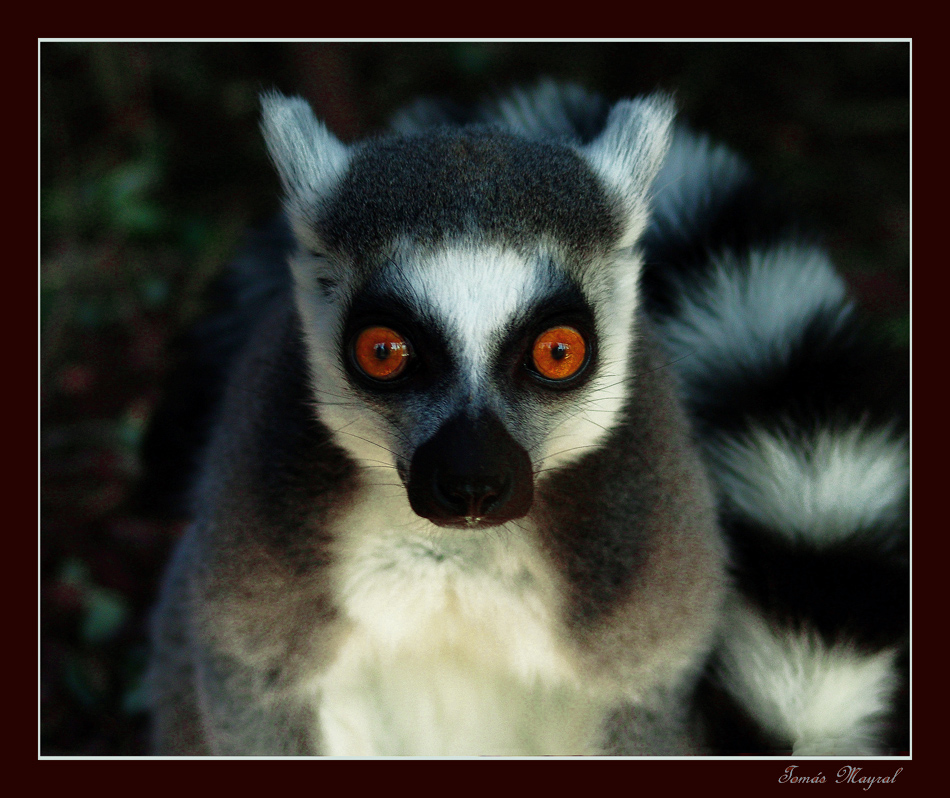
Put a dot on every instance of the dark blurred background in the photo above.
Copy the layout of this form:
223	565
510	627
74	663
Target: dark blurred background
152	167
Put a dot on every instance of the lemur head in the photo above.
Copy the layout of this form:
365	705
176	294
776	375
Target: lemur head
467	296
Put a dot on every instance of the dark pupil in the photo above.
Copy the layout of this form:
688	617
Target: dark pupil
558	351
382	351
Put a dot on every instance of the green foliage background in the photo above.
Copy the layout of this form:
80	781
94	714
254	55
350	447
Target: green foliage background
152	167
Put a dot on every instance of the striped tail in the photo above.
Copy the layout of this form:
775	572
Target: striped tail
803	418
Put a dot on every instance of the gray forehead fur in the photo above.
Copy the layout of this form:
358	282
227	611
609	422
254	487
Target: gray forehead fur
444	184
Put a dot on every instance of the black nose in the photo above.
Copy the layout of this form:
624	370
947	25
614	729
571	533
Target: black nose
471	473
467	496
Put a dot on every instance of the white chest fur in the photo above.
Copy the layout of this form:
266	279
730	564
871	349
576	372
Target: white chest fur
452	651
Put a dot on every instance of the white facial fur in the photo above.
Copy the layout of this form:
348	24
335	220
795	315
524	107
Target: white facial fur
473	291
613	289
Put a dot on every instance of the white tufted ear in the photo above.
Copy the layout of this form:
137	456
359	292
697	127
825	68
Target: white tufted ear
629	152
308	157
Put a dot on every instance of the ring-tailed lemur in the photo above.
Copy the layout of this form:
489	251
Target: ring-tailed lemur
537	431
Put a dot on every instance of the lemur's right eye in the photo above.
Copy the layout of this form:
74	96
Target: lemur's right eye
381	353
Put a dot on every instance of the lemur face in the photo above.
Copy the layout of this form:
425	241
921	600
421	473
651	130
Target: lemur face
470	324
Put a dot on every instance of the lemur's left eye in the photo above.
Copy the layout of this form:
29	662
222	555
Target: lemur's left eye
558	353
381	353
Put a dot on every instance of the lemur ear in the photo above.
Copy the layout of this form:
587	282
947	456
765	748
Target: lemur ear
629	152
308	157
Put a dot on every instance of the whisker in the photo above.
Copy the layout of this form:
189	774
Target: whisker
367	440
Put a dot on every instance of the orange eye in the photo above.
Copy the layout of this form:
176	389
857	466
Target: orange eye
558	353
381	353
